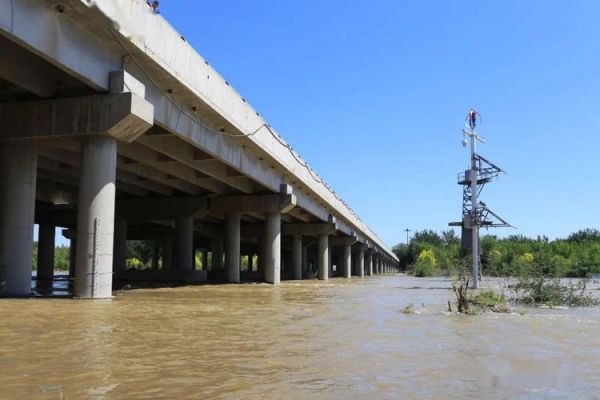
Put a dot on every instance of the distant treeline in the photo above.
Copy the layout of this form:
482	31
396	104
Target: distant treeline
139	255
61	257
430	253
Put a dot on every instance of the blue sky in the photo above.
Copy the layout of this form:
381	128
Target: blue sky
373	94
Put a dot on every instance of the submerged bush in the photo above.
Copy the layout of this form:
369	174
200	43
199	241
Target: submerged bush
409	309
538	290
460	287
492	301
472	304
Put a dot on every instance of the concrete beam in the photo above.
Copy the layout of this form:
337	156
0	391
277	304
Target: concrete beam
161	207
342	240
28	71
141	180
312	229
51	192
69	176
60	40
181	151
360	246
149	157
123	116
280	203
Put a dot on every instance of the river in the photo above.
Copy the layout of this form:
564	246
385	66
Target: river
308	339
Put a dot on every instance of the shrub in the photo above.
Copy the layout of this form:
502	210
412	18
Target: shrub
409	309
492	301
460	286
485	300
553	292
134	263
426	262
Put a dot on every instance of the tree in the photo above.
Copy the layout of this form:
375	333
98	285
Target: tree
426	263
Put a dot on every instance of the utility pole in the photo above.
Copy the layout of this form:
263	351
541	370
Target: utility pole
476	213
407	231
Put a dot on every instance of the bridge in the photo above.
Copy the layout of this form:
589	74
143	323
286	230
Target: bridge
114	128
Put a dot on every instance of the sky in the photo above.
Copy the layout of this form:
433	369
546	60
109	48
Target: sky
373	94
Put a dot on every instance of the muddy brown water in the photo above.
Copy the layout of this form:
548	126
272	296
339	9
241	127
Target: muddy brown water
300	340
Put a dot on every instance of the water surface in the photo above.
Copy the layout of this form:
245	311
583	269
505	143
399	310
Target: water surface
330	340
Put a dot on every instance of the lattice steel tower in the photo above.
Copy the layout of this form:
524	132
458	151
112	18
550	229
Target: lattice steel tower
475	213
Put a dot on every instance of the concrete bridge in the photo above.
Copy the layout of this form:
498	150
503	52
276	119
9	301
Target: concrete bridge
114	128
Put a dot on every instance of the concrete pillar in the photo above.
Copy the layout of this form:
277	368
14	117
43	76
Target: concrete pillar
329	261
120	246
18	171
273	248
232	246
184	243
155	250
347	261
297	257
95	217
304	258
45	262
369	264
217	253
261	252
72	257
323	257
167	254
361	264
